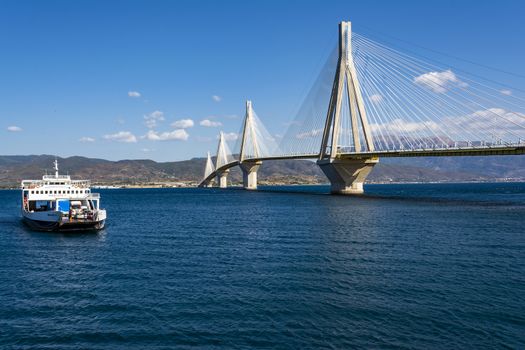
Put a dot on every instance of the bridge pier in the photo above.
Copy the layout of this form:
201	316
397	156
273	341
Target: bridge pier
249	174
347	176
222	178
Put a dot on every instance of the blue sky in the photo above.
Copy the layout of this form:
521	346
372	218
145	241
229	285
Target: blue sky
109	79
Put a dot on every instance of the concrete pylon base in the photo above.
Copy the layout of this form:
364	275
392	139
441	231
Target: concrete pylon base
222	178
249	174
347	176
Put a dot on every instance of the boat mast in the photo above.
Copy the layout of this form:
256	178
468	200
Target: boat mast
56	168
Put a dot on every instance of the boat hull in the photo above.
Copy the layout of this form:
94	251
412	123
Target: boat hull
40	225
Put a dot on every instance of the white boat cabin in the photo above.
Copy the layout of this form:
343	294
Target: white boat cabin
58	193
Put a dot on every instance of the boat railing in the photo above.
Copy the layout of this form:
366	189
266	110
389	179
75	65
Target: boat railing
29	184
54	177
80	183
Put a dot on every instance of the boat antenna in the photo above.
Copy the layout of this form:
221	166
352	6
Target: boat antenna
56	167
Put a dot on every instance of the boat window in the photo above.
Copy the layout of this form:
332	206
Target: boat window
55	192
32	192
46	192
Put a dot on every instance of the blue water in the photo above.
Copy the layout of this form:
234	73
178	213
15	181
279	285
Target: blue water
406	266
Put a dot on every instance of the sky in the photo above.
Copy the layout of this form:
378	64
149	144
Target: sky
159	79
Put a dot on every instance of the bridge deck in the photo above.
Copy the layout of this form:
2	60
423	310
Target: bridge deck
437	152
443	152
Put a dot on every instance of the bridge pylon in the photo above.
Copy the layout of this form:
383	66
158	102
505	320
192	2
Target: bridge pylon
249	150
208	170
221	160
346	175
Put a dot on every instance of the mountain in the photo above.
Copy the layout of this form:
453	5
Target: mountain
145	171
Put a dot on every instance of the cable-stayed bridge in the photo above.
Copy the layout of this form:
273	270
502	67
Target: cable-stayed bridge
371	101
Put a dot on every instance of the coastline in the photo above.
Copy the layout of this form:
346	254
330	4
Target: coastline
193	184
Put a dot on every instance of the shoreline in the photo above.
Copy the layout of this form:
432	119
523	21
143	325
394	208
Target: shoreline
193	185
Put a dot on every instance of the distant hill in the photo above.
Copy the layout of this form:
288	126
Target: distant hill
143	171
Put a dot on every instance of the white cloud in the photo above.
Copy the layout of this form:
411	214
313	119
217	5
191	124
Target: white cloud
311	133
151	120
376	98
439	82
14	128
400	126
483	124
122	136
209	123
216	98
179	134
86	139
134	94
492	120
230	136
183	124
506	92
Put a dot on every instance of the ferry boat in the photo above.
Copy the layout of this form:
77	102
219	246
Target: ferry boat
57	203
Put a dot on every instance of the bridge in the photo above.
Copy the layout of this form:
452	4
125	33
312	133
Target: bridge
371	101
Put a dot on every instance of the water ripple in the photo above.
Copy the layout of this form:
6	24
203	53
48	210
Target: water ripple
413	266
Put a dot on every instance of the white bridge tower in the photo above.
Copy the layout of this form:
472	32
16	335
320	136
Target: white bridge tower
346	175
249	141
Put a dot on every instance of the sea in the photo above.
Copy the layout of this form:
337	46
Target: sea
433	266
